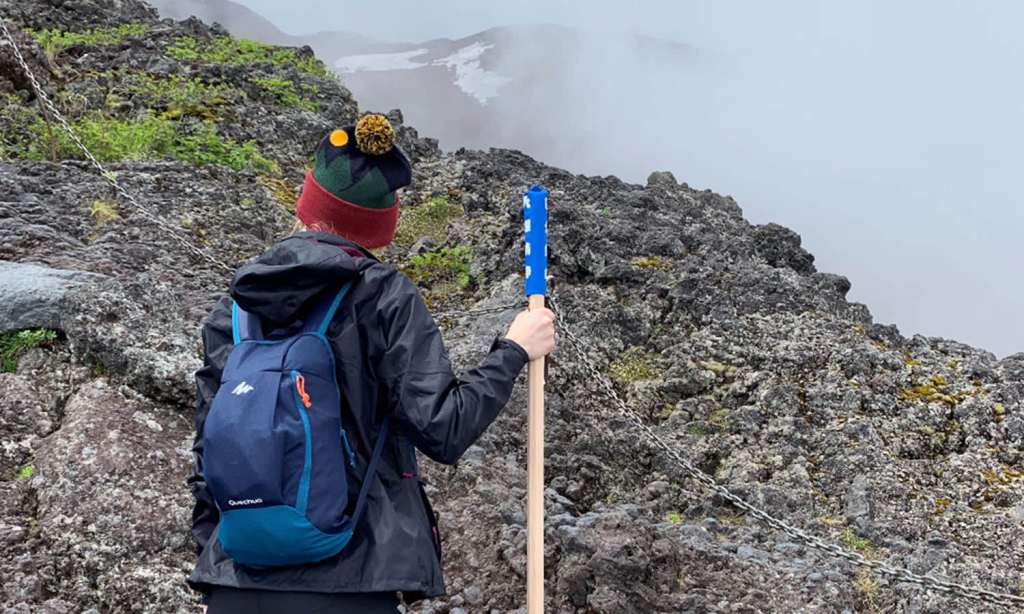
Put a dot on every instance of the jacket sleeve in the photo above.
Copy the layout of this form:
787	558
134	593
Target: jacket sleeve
217	343
439	412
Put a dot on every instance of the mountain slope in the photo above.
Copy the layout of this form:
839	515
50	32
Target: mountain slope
472	91
502	85
721	333
243	22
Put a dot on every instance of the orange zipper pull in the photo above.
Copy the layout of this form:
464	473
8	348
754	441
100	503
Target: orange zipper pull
300	385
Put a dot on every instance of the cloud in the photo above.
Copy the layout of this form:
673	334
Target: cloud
887	134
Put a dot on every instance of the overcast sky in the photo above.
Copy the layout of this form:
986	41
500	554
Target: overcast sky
888	134
414	20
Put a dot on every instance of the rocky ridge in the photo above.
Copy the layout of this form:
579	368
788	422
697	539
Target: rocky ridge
721	332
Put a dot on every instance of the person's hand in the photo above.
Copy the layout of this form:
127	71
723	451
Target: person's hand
534	331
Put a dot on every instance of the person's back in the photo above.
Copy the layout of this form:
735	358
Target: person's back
391	367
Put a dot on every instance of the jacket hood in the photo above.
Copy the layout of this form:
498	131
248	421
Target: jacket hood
284	280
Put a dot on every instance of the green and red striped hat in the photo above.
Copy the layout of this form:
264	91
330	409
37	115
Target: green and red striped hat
351	188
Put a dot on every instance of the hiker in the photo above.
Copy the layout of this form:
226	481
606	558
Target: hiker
272	533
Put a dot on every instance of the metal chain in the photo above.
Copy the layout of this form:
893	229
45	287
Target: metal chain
581	350
174	232
456	313
111	178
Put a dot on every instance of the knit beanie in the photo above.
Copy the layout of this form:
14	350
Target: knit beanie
351	187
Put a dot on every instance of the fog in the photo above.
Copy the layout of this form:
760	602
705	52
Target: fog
889	135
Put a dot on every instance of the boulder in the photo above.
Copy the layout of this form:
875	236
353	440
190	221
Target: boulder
112	503
32	296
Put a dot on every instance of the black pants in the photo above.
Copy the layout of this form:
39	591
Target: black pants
225	600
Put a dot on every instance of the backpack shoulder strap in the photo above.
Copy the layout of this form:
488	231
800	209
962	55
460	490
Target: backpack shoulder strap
322	314
371	471
244	325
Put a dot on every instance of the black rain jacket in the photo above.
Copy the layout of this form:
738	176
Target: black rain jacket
391	365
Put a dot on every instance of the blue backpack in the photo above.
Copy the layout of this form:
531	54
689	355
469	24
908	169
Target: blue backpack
275	453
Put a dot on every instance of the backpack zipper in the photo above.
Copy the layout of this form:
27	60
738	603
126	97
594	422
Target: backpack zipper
302	402
348	449
300	387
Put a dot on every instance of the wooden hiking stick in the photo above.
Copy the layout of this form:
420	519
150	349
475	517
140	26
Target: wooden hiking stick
535	214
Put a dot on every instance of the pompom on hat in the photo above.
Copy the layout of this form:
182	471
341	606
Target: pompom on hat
351	187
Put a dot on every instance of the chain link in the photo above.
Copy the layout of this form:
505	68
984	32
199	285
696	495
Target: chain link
581	351
580	348
111	178
457	313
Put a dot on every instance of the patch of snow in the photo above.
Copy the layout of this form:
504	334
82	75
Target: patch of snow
470	77
379	61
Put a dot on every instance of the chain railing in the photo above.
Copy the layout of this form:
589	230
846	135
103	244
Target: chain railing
582	352
460	313
172	231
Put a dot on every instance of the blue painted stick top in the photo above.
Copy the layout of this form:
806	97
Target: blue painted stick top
535	226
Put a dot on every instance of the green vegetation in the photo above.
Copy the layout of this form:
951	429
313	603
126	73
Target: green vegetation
198	231
934	390
283	193
430	219
149	138
719	419
445	270
206	146
285	92
998	412
831	521
228	50
941	505
103	212
53	41
13	344
176	96
25	472
653	262
860	544
1004	476
674	518
96	366
867	587
113	139
940	440
633	365
17	118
